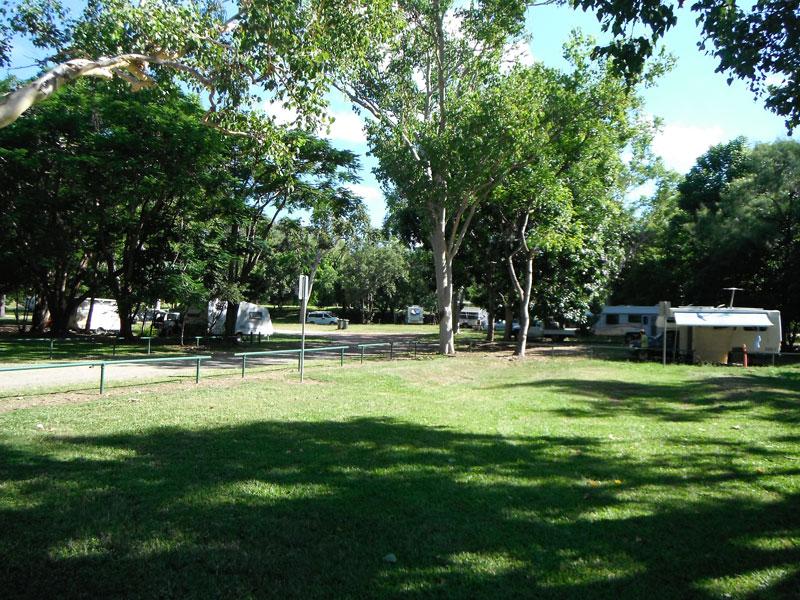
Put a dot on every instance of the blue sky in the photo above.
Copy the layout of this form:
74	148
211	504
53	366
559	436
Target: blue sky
696	105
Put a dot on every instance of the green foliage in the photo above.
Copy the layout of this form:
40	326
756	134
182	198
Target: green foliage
733	221
372	275
237	54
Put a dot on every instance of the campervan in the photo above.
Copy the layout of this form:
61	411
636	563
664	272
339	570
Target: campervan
627	321
104	317
472	316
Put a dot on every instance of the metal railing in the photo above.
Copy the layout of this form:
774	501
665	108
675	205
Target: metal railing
105	363
245	355
361	347
51	341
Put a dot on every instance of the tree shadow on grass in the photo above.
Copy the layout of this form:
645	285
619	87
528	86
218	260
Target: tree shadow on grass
309	509
684	401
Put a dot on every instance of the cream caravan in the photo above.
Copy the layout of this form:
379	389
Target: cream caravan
708	334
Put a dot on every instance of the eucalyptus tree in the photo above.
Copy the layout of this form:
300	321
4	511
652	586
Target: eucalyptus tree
234	53
444	132
558	203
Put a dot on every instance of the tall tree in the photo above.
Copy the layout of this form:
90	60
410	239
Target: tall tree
101	189
444	132
229	51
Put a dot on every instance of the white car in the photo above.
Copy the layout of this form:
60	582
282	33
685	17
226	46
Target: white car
322	317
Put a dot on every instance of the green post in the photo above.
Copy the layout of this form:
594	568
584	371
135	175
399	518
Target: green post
102	377
391	350
362	354
197	371
341	357
244	363
51	348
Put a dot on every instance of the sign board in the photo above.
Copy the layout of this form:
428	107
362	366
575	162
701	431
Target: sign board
663	308
302	287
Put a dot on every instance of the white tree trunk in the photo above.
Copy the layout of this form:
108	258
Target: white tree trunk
443	266
524	312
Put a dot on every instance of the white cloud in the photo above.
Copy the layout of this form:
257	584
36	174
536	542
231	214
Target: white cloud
519	53
680	145
368	192
283	114
373	198
347	127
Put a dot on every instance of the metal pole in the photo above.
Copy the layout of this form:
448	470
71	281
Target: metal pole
148	345
259	339
303	335
197	372
244	362
341	357
51	348
664	349
251	338
102	377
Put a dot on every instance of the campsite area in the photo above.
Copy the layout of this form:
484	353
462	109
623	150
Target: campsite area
466	477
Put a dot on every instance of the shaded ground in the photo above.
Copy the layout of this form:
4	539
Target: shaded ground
544	479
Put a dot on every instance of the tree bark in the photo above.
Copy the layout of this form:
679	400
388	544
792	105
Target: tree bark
524	295
231	315
443	265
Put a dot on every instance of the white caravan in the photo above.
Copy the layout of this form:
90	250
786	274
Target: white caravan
251	318
415	315
472	316
105	316
626	320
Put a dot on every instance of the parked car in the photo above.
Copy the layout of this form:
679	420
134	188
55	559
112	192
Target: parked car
322	317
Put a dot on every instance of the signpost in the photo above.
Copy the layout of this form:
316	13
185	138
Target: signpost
663	312
302	294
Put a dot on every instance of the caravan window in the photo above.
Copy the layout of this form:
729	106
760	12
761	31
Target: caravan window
634	318
255	316
612	319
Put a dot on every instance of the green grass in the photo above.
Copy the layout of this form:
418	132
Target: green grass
485	477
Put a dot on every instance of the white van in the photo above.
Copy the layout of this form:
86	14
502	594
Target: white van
322	317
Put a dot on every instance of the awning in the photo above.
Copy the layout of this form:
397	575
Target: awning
721	319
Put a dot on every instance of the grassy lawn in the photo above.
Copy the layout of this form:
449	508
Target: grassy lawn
483	477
